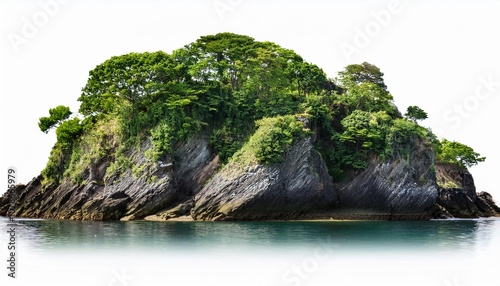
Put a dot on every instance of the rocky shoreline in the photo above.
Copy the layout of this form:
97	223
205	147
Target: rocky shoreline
196	187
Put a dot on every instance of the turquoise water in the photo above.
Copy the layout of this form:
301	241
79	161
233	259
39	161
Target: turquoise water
442	252
460	235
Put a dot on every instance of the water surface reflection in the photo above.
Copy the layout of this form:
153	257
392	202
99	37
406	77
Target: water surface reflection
462	235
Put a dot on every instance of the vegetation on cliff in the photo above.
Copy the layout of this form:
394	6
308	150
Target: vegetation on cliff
251	99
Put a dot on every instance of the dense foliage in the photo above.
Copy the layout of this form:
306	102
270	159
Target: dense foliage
453	152
250	98
272	138
415	113
56	116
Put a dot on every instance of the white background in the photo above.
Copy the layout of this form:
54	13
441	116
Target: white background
434	55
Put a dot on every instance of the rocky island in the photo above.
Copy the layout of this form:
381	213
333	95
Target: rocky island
229	128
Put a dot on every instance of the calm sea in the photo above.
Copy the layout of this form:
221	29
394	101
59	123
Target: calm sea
441	252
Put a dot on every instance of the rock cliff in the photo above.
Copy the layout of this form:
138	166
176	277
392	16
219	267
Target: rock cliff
403	188
131	195
458	197
297	188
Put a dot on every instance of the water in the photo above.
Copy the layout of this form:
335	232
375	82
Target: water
442	252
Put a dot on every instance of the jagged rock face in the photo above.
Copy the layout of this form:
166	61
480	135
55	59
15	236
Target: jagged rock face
487	205
183	209
299	187
197	164
132	195
462	201
404	188
458	203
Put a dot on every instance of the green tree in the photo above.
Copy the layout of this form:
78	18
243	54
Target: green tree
453	152
69	131
405	132
364	89
368	97
360	73
415	113
364	130
221	57
309	78
128	78
56	116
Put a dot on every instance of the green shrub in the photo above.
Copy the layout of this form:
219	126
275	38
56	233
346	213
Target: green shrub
100	141
69	131
161	137
119	166
403	136
273	137
56	165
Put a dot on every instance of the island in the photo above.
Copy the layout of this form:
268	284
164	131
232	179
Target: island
230	128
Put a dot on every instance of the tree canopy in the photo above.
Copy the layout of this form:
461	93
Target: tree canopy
364	89
453	152
68	131
226	81
415	113
56	116
242	94
362	73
